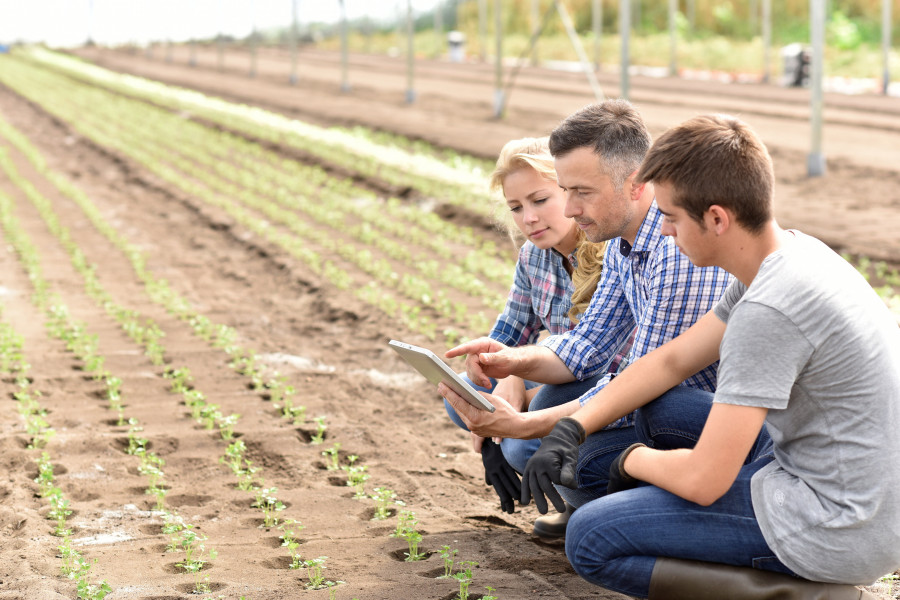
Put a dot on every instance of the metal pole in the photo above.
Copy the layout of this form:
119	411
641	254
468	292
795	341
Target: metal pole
692	13
815	162
252	41
597	26
293	42
439	29
673	35
410	59
579	50
498	59
345	82
482	28
886	44
535	23
624	31
767	40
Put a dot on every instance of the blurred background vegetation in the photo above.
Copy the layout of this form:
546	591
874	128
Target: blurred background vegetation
712	34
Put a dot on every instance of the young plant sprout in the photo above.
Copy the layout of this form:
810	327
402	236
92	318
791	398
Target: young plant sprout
69	557
447	555
173	524
89	591
195	556
136	445
195	400
406	530
319	436
332	593
159	493
314	572
181	379
383	498
464	577
209	414
45	474
59	512
151	468
357	477
226	425
289	529
271	506
332	455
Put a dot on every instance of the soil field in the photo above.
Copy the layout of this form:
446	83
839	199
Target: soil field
139	250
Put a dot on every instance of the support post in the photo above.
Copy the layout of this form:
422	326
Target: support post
410	54
579	49
886	44
767	40
499	103
625	32
673	37
815	163
597	26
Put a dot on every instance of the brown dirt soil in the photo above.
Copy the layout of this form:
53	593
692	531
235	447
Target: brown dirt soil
329	344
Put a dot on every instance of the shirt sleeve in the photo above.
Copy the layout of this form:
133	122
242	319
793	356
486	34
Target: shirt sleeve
605	326
518	324
761	356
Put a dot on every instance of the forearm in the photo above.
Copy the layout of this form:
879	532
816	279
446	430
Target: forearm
538	363
538	423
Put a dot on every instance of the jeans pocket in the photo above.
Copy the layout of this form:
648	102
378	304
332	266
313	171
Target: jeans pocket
771	563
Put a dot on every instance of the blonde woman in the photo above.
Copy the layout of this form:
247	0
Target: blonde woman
556	275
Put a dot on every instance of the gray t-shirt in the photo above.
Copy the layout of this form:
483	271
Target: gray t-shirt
812	342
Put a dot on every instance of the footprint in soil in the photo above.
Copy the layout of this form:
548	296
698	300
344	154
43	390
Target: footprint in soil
400	554
188	588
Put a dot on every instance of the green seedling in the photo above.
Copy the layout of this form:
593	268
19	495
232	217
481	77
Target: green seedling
357	477
464	577
151	468
88	591
173	524
314	572
447	556
181	379
210	415
319	436
406	530
333	457
45	474
383	498
59	512
332	593
195	400
70	557
289	529
246	479
195	556
226	425
271	506
160	494
136	444
490	594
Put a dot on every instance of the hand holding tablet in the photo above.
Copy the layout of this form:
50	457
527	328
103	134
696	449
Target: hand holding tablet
436	371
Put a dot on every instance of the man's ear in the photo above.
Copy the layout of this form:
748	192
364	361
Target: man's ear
635	190
717	219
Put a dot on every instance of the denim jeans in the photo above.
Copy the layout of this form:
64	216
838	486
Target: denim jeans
613	542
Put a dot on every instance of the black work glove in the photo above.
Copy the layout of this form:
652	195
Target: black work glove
554	462
500	474
619	480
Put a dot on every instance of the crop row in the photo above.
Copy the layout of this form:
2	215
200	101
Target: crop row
356	153
277	202
84	345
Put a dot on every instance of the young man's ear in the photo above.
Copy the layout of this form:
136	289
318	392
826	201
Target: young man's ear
717	219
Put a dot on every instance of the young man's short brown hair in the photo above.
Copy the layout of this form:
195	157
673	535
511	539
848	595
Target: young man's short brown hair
613	129
714	159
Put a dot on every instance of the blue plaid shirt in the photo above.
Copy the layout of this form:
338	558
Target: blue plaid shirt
651	288
540	298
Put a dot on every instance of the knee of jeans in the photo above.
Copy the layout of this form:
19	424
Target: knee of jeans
588	557
451	412
517	452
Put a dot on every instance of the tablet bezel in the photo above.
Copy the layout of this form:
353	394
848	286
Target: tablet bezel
436	371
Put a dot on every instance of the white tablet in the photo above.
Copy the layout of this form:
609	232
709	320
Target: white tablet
436	371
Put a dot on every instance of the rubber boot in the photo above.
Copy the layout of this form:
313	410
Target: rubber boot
676	579
553	526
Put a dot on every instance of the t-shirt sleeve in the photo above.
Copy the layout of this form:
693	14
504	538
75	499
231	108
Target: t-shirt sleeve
761	355
733	293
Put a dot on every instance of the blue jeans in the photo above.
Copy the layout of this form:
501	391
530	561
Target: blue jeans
520	450
614	541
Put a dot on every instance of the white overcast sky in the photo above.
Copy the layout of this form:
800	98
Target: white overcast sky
69	22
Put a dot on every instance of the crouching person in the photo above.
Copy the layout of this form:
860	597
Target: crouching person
807	349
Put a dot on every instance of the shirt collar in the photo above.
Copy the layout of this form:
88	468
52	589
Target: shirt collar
647	235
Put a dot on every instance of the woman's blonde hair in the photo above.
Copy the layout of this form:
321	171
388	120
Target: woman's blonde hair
535	153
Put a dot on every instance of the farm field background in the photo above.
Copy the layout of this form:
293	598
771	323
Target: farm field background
177	268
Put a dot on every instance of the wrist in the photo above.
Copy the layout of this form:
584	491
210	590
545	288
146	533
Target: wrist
626	454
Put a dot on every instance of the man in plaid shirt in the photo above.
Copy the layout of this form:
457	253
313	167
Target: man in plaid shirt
648	288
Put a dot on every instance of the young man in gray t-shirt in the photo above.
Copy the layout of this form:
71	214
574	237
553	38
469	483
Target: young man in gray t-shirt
806	349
